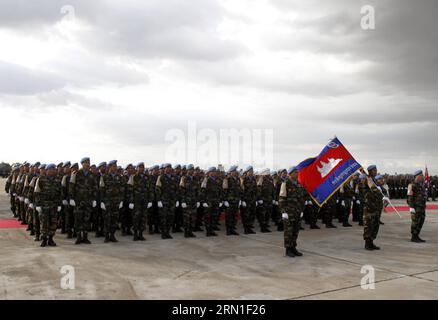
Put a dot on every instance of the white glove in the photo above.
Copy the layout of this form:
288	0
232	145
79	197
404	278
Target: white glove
226	204
386	199
357	201
343	203
221	204
205	205
31	205
39	209
276	203
260	201
21	199
160	204
184	205
285	216
26	201
244	204
149	205
72	203
65	202
59	208
337	201
121	205
273	202
412	210
14	194
198	204
94	203
380	188
302	214
102	206
131	206
177	204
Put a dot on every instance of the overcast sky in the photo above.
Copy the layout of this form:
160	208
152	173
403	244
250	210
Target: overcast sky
109	79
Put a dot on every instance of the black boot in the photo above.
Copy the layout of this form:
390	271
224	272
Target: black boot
78	239
215	228
85	238
289	253
381	223
198	229
51	243
129	232
151	229
168	236
107	238
314	227
264	230
280	227
330	226
211	233
69	234
374	246
416	238
32	231
37	237
296	252
135	235
44	242
233	232
157	230
29	227
113	238
368	245
186	233
140	236
346	224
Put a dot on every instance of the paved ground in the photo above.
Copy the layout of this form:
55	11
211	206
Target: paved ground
245	267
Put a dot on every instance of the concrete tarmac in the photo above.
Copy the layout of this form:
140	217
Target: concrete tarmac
244	267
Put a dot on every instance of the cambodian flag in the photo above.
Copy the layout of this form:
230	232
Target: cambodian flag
324	175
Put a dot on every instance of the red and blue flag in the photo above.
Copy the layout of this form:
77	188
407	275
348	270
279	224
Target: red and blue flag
324	175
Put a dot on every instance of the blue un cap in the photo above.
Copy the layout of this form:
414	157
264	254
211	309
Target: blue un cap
51	166
418	172
85	159
292	169
371	167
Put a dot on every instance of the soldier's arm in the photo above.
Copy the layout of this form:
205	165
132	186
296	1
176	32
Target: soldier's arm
282	198
411	196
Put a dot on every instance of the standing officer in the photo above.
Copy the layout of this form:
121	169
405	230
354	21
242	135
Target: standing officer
48	201
153	218
232	194
166	192
189	191
211	189
417	203
292	196
373	205
111	190
265	199
346	195
249	200
83	198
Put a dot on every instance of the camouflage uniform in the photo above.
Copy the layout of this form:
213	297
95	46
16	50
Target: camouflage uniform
417	200
310	212
48	196
189	192
83	191
212	195
265	197
327	211
153	218
292	197
358	203
125	214
166	191
19	199
249	196
28	194
232	193
10	188
346	194
111	189
275	210
373	206
140	196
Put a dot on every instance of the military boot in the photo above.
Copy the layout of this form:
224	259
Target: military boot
198	229
107	238
44	242
151	229
280	227
289	253
368	245
69	234
264	229
51	243
416	238
37	237
314	227
32	231
129	232
374	246
296	252
29	227
140	236
113	238
135	235
233	232
346	224
78	239
85	238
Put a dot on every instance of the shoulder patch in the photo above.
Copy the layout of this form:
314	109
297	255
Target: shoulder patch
32	183
283	190
73	177
101	182
158	184
37	187
260	181
182	182
410	190
131	180
204	183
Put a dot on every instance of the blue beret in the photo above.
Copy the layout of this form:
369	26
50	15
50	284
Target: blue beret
274	173
292	169
112	163
75	165
190	167
418	172
140	164
102	164
128	166
60	164
177	166
51	166
155	167
26	164
36	164
85	159
371	167
211	169
43	166
378	177
232	168
67	164
249	168
166	165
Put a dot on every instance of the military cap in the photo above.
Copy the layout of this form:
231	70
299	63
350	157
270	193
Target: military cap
112	163
211	169
265	172
60	165
232	169
372	167
362	177
155	167
292	169
26	164
85	159
36	164
249	168
119	168
177	166
128	166
102	164
75	165
274	173
418	172
140	164
93	166
67	164
42	166
378	177
166	165
190	167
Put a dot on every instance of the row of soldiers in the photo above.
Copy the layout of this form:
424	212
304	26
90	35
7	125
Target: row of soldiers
398	186
105	198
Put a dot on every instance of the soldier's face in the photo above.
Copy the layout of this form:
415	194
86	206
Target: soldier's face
294	175
419	178
167	170
94	169
190	172
67	170
141	169
51	172
86	165
42	172
373	173
112	169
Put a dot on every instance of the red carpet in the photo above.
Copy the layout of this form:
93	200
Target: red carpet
11	223
406	208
